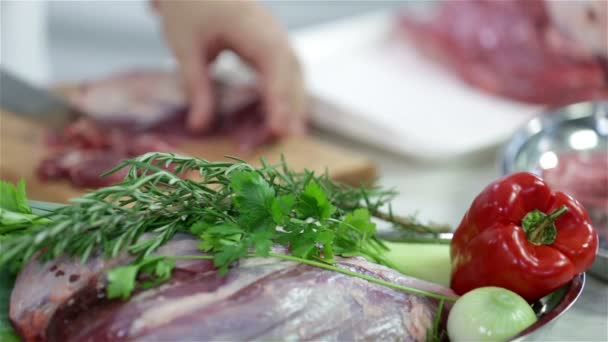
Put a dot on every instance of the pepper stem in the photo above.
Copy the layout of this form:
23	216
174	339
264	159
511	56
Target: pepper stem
540	227
557	213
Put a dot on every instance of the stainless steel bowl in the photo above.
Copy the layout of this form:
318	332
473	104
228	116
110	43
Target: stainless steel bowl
555	132
548	309
551	307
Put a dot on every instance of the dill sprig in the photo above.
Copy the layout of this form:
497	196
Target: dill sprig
165	193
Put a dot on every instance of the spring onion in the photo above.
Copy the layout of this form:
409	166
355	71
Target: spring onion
425	261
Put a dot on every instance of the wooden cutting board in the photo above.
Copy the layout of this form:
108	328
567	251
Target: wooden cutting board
22	147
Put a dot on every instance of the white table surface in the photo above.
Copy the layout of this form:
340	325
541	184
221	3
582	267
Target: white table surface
442	193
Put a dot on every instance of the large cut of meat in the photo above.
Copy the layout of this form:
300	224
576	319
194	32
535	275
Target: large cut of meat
510	48
259	299
131	113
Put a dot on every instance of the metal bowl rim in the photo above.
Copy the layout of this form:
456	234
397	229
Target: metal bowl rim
526	131
575	289
555	116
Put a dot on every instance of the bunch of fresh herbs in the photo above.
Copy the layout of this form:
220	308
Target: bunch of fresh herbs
236	209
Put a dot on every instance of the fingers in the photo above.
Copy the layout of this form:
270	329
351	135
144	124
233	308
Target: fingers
197	31
279	73
196	76
300	104
283	92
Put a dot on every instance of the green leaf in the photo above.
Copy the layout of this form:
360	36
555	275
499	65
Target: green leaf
15	213
21	198
11	221
159	270
208	242
213	237
281	208
8	335
14	198
326	238
253	197
262	241
360	220
226	255
7	281
200	227
225	229
303	246
164	268
121	281
313	202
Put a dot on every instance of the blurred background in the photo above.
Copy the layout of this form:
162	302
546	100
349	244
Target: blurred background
92	38
377	90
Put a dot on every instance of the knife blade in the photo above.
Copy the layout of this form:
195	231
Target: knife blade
37	104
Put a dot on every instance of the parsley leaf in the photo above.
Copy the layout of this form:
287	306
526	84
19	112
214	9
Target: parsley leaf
253	197
15	213
13	198
157	271
281	208
326	239
313	202
122	280
214	236
226	255
262	241
360	222
6	285
354	232
304	246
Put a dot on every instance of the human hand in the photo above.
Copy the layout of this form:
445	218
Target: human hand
197	31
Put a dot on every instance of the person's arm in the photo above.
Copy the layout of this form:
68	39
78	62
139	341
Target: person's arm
197	31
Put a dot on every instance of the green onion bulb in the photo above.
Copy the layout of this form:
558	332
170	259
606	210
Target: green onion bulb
489	314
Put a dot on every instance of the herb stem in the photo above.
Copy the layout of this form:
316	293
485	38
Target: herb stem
363	276
189	257
411	224
418	239
438	318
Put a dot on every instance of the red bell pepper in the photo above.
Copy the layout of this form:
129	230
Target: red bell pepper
521	236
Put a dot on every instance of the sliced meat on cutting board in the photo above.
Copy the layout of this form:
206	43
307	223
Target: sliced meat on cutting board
22	147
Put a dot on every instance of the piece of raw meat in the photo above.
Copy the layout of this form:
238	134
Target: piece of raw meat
258	299
585	177
509	48
132	113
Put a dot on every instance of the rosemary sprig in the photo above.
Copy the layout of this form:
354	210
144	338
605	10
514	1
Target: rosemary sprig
156	200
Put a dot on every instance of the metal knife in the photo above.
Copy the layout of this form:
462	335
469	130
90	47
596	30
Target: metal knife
34	103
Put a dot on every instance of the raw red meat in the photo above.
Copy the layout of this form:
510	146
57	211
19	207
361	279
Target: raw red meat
509	48
259	299
585	177
83	168
133	113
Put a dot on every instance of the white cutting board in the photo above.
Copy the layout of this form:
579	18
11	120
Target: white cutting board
382	92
